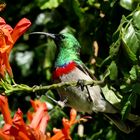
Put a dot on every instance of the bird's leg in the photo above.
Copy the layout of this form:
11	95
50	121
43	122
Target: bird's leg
81	82
60	103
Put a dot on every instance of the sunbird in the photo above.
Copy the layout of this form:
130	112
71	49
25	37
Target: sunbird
69	68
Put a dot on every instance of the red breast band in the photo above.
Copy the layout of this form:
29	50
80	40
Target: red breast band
59	71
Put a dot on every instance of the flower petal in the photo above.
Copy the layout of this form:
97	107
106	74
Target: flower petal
7	64
18	134
6	129
35	134
5	137
5	109
2	21
43	123
29	116
58	136
18	118
73	115
38	116
20	28
2	67
4	25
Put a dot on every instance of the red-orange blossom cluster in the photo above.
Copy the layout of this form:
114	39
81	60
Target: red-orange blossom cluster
8	37
15	128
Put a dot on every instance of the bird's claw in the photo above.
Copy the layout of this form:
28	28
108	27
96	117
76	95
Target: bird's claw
62	103
81	83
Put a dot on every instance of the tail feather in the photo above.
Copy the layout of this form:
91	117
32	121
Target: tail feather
125	126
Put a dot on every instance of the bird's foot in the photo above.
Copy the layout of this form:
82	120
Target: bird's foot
62	104
81	83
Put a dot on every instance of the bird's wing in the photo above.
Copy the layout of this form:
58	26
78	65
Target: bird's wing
86	71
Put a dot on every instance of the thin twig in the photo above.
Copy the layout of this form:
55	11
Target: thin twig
9	89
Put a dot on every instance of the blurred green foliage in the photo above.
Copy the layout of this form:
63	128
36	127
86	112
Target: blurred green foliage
114	24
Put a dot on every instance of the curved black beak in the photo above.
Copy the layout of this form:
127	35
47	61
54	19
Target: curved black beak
53	36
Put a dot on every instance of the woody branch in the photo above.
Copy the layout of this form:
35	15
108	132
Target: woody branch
10	89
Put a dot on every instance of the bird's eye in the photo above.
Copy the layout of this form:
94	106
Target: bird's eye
59	37
62	37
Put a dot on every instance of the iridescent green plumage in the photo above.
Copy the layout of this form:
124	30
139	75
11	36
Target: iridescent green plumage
69	50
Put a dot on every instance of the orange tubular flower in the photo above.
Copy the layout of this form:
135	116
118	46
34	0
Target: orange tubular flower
17	129
8	37
40	117
38	121
64	134
4	108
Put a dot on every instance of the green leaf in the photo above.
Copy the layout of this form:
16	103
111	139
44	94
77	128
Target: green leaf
129	4
51	4
97	135
136	88
133	73
1	121
77	9
113	71
136	19
130	55
126	88
115	46
111	95
68	29
131	38
114	49
129	102
111	135
91	2
132	98
125	110
127	34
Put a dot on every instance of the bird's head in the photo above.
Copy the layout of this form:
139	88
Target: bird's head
68	47
68	41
